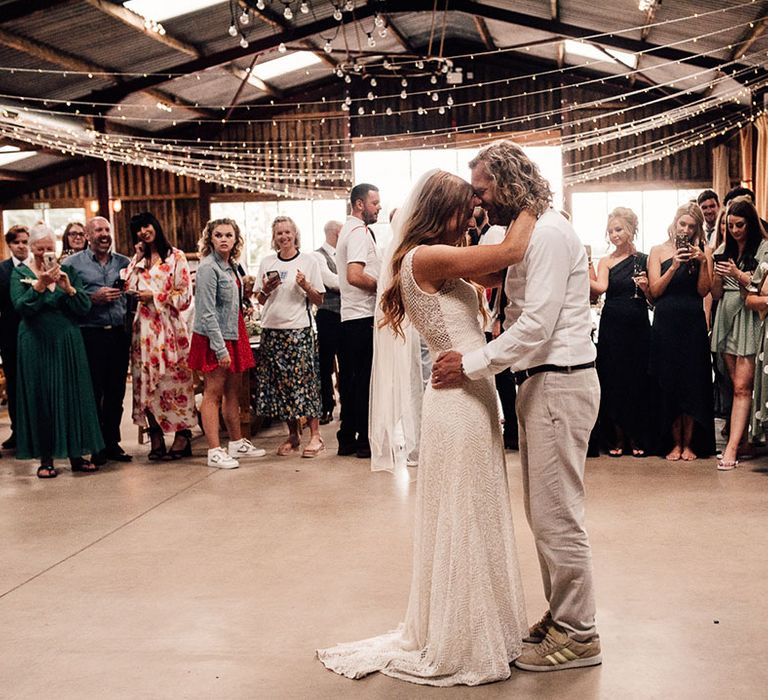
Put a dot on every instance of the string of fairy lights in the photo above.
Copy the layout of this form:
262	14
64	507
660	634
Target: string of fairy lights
320	164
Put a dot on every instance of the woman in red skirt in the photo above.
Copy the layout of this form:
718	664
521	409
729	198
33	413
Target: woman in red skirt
220	348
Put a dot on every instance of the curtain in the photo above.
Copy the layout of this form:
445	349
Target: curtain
761	178
721	179
747	165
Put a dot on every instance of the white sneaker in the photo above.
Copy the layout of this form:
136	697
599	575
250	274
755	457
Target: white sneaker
217	457
244	448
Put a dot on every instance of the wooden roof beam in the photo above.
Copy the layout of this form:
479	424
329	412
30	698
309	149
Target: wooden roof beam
114	94
57	57
554	10
8	176
485	35
755	32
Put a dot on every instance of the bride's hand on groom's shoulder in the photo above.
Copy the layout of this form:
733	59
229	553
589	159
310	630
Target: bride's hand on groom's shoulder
447	371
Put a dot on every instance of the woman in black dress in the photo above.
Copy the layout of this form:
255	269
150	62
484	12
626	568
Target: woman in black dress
624	338
680	276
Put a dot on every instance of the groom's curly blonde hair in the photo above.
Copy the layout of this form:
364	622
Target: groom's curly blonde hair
519	182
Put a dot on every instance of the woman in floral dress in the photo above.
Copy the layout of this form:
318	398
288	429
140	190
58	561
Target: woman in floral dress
163	393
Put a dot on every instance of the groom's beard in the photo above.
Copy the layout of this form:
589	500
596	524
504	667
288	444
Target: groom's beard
499	215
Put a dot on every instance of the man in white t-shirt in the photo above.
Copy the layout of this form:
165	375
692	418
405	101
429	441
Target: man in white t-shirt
358	264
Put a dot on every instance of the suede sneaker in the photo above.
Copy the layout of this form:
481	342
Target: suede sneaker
557	652
538	631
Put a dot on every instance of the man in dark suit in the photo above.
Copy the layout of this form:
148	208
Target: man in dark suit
17	240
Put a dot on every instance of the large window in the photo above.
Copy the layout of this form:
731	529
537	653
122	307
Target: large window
655	210
395	172
255	221
57	219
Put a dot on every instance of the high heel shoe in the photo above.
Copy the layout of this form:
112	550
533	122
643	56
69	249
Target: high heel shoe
158	450
185	451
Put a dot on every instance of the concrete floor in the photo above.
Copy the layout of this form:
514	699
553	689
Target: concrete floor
178	581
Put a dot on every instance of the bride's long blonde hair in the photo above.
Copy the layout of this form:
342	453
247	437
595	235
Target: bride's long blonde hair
438	215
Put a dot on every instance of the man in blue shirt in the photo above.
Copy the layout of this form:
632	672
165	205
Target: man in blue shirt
107	343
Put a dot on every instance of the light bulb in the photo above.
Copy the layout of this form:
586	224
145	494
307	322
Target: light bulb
287	12
232	31
449	101
260	4
386	65
337	14
433	80
444	69
282	48
389	111
348	100
244	42
360	110
403	95
374	82
349	6
378	20
339	73
345	107
419	64
435	97
421	110
371	41
370	95
327	48
347	79
383	32
303	8
441	110
244	18
404	82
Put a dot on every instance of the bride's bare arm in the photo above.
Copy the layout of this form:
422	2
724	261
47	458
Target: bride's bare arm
434	264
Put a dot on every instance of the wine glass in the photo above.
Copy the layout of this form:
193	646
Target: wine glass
637	271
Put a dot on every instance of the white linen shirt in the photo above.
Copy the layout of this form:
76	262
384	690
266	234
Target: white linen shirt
356	244
287	306
548	319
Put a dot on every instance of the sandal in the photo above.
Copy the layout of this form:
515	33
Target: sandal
186	451
50	472
310	452
616	452
79	464
158	450
726	465
286	448
636	452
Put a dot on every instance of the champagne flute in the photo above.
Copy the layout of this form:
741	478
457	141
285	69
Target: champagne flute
638	269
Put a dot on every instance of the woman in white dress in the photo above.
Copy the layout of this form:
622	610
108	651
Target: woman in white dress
466	614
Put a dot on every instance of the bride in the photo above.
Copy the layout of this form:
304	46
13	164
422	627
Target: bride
466	615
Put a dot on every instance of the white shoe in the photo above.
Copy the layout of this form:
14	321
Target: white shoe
217	457
244	448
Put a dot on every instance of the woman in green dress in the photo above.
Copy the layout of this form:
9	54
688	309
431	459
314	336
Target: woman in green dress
736	329
56	409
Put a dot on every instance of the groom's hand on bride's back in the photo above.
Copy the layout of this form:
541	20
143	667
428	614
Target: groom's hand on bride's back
447	371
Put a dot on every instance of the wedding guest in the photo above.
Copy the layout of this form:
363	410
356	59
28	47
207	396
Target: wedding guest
56	413
17	240
288	369
358	263
220	347
106	339
757	301
736	330
624	338
679	274
72	240
328	319
709	203
163	392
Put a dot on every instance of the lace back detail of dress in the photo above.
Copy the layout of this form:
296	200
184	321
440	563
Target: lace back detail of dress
448	319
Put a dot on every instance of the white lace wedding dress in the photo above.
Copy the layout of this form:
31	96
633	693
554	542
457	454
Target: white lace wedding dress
466	613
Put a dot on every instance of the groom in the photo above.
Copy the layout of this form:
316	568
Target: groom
546	342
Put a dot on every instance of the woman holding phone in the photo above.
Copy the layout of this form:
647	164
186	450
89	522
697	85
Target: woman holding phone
220	348
163	393
736	329
289	368
56	412
679	276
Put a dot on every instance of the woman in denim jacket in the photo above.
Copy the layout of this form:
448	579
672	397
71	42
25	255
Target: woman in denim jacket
220	348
